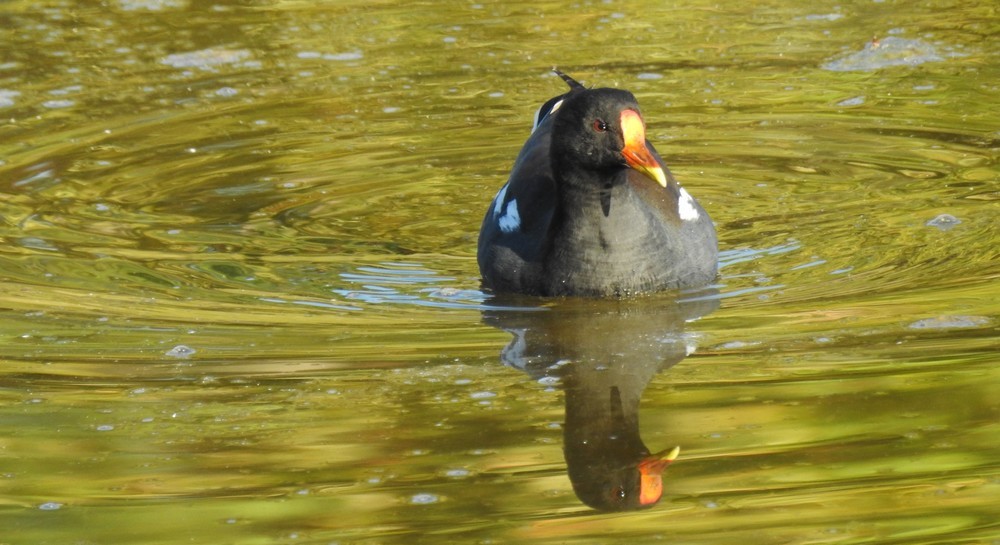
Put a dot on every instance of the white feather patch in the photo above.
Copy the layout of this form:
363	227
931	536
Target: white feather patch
498	200
685	207
538	120
510	221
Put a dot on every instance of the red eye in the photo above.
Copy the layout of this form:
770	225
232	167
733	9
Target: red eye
600	125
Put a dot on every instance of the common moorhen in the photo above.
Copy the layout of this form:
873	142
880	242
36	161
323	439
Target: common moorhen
591	209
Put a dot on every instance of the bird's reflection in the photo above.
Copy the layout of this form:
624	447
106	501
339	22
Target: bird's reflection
603	353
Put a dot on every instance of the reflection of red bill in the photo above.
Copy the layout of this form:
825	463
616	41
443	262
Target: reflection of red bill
651	475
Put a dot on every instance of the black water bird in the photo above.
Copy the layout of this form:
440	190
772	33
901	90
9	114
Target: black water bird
591	209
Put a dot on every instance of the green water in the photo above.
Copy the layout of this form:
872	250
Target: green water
239	300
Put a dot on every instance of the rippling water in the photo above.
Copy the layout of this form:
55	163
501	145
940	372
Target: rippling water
240	301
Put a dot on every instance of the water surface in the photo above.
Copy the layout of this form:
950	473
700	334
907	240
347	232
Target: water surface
239	300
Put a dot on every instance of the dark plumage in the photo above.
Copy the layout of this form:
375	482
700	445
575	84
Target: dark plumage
591	209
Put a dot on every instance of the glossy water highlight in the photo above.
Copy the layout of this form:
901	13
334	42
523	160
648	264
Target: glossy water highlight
239	300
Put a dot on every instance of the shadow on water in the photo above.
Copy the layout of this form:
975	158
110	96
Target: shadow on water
603	354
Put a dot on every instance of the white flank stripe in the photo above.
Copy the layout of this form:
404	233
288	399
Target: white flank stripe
498	200
534	123
511	220
685	207
538	120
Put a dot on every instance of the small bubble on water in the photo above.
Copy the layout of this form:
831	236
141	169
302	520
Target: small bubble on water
180	351
943	222
548	381
345	56
226	92
7	97
853	101
53	104
50	506
105	427
424	499
950	322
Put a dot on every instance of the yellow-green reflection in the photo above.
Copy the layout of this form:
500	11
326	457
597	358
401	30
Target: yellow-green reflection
239	301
